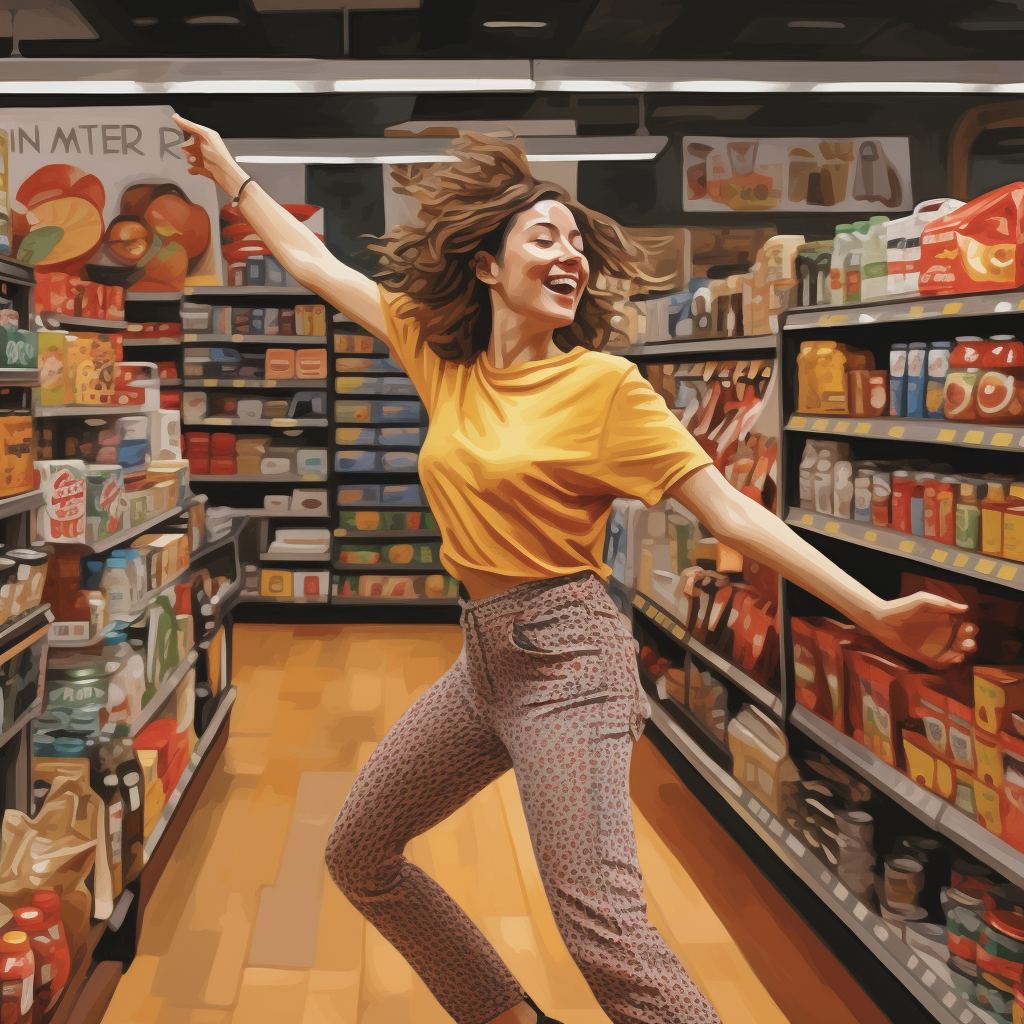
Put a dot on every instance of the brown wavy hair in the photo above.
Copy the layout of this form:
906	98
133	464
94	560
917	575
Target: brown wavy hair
466	207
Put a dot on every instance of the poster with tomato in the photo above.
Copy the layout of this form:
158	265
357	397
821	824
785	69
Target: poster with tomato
104	194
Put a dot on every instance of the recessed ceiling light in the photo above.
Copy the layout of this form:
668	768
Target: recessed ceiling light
515	24
213	19
816	24
145	22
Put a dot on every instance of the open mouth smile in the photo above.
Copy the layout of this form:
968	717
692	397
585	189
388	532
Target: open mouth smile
562	284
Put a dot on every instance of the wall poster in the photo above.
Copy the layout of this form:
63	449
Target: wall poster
105	193
863	175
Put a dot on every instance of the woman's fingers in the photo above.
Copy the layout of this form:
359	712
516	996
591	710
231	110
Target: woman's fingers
191	127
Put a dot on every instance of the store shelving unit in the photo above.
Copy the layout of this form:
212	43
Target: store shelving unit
271	340
932	432
701	347
299	384
281	478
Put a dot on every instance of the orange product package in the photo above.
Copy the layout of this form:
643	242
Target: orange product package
822	367
17	453
884	705
89	363
978	247
1013	789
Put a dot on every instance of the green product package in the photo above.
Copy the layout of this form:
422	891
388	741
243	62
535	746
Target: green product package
19	349
162	640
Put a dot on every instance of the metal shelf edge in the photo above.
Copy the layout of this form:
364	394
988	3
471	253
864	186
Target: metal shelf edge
164	691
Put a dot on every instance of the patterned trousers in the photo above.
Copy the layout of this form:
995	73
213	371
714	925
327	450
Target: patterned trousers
546	684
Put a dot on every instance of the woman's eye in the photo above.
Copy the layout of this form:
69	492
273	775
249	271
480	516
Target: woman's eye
545	242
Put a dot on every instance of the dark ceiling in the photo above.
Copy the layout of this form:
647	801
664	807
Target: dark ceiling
595	29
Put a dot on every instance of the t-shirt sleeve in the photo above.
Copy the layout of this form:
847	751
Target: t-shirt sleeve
646	450
422	365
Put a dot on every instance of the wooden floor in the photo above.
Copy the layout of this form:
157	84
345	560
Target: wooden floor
246	927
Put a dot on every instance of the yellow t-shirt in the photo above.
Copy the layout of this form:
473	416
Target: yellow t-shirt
520	465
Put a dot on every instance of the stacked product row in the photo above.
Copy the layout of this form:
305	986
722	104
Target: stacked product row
224	454
303	321
960	735
973	379
231	365
969	511
248	261
198	406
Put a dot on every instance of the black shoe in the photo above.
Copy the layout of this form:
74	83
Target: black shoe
542	1017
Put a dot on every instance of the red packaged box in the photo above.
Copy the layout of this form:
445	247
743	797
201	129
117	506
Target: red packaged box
196	442
171	749
883	700
223	465
223	444
170	399
978	247
199	465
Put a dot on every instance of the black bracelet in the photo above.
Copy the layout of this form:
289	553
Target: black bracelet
241	189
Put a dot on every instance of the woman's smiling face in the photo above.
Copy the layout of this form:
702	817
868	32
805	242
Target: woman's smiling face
541	271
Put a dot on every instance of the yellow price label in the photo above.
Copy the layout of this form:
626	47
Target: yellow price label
897	431
974	437
831	527
915	311
638	601
819	425
841	426
217	421
837	318
946	435
984	565
209	382
798	421
1007	572
862	428
823	320
239	383
808	519
952	307
1020	305
961	560
1002	439
269	383
678	632
938	555
238	338
907	546
870	535
283	421
191	337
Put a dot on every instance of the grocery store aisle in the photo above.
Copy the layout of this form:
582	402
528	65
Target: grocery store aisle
247	928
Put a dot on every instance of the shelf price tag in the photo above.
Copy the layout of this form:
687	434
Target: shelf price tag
678	633
807	520
952	307
915	311
897	431
1001	439
907	547
946	435
191	337
974	437
870	535
841	426
240	383
832	527
984	566
862	428
960	561
939	555
1006	572
819	425
799	422
209	383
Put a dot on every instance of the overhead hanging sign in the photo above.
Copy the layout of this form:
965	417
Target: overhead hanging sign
105	193
863	175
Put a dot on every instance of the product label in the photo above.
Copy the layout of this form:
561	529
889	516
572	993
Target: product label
46	973
875	270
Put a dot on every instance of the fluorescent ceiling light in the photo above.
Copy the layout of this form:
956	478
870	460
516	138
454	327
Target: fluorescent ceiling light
94	87
390	150
515	24
723	76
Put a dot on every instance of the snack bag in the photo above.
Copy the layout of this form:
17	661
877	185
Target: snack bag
978	247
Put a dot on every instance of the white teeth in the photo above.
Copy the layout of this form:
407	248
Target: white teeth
570	281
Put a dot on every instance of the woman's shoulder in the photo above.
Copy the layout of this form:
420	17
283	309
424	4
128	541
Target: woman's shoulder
607	368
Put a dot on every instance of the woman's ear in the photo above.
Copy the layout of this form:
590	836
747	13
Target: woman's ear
486	268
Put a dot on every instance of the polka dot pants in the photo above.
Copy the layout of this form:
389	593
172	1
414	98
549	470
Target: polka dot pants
546	684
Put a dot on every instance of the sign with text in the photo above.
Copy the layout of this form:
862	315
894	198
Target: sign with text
855	175
105	193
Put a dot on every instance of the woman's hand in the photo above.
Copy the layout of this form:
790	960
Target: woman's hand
925	627
208	156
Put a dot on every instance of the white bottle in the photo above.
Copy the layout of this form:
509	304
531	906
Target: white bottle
853	263
874	269
837	275
127	682
117	585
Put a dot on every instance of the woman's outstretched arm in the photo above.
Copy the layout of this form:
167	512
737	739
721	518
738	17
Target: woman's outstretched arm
922	626
297	249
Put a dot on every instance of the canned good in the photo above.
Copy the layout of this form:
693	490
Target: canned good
29	579
965	976
995	995
964	927
1001	945
76	682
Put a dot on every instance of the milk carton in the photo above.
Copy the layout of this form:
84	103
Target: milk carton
903	243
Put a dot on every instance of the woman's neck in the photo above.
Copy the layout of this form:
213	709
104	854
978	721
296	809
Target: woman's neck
516	338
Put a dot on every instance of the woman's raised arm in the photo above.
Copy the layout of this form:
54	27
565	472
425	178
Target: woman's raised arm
297	249
923	626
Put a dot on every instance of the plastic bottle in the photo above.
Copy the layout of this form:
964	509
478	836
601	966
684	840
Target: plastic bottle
48	901
874	275
898	379
136	571
968	517
917	379
106	784
17	977
837	275
127	684
133	791
117	585
853	263
938	367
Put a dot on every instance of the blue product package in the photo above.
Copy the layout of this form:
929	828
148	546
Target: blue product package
395	412
258	321
354	461
898	380
679	313
225	355
402	494
399	462
364	494
133	453
255	272
917	379
917	510
390	437
388	364
398	386
274	272
92	570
